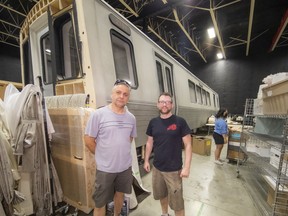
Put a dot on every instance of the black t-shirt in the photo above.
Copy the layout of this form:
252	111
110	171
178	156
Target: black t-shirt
167	135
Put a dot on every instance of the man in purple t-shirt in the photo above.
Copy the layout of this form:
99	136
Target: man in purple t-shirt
109	133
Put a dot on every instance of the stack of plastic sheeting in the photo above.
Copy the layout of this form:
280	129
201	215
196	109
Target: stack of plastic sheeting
25	121
63	101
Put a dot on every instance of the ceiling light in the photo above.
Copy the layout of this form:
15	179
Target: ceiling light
48	51
220	55
211	33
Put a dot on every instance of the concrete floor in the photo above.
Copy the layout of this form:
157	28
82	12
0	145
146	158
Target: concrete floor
211	190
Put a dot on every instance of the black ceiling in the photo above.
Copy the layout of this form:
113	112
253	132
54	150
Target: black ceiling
12	16
246	27
188	38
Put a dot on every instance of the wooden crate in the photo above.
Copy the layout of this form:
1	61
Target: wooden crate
71	87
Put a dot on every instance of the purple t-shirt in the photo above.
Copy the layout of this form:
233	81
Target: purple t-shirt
112	132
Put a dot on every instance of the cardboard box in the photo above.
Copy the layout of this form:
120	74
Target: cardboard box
275	98
275	154
232	154
282	202
201	145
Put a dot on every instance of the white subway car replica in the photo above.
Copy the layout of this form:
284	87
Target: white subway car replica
83	46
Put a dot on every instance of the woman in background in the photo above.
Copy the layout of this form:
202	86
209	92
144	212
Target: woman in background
220	133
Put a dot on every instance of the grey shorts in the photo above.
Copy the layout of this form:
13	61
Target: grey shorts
107	184
168	184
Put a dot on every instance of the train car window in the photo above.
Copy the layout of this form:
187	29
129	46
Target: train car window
160	76
169	80
204	100
217	101
208	98
46	59
214	100
124	59
71	64
198	93
192	91
66	62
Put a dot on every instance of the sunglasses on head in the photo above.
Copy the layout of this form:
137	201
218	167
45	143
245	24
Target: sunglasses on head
120	81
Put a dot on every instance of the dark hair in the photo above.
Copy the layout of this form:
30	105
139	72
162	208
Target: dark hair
221	112
165	94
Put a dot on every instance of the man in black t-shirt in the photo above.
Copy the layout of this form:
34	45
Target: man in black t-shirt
166	134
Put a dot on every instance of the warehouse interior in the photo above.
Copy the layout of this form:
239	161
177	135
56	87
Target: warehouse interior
252	37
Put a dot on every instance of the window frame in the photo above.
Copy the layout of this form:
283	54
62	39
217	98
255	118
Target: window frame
131	64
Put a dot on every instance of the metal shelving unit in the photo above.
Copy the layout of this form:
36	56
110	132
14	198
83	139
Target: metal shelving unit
265	174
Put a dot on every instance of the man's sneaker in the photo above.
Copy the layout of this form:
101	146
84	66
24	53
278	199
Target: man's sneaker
218	162
221	160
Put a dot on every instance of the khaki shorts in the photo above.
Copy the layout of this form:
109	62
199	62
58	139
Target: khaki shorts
168	184
107	183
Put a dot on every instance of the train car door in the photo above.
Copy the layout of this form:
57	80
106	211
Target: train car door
55	50
165	78
39	48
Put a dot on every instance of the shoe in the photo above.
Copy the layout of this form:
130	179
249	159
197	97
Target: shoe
221	160
164	215
218	162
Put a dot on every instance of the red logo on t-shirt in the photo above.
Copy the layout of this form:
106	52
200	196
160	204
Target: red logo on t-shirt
172	127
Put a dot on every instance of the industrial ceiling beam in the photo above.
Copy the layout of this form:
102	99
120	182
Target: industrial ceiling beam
155	29
129	8
259	35
9	23
11	44
280	30
237	39
235	44
167	44
225	5
251	15
166	39
217	31
212	10
187	34
9	35
215	23
11	9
